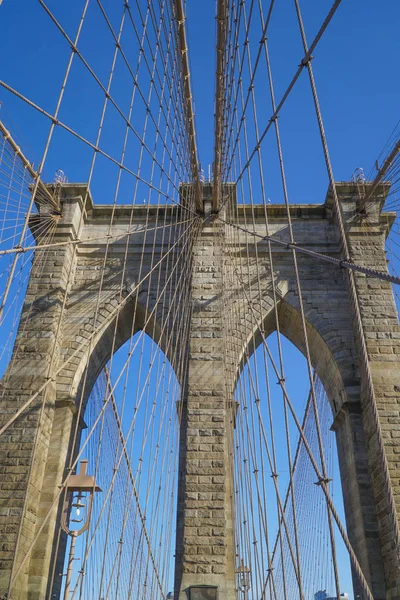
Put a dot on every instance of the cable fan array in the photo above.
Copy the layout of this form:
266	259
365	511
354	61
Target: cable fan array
281	517
25	223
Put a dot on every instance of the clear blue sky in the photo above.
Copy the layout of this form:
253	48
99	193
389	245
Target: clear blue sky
355	69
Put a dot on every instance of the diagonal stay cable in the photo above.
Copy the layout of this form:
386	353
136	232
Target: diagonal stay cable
135	79
119	236
321	480
92	335
303	63
75	461
178	290
359	325
344	264
94	147
34	174
294	467
174	89
76	50
250	87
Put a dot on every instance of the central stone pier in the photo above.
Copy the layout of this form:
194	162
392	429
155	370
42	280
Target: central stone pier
205	554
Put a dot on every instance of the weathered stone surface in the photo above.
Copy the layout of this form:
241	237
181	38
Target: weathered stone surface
35	449
206	418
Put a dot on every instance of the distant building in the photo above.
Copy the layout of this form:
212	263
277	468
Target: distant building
323	595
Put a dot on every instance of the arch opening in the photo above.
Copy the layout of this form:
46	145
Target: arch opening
267	448
113	333
332	359
131	445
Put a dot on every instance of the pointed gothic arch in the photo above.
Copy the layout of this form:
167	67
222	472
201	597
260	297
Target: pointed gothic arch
339	375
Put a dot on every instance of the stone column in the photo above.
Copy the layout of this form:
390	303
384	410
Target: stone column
205	552
26	444
366	237
358	498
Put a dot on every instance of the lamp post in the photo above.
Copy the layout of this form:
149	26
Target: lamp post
77	509
244	584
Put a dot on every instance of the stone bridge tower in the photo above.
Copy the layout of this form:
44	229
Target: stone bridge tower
34	451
